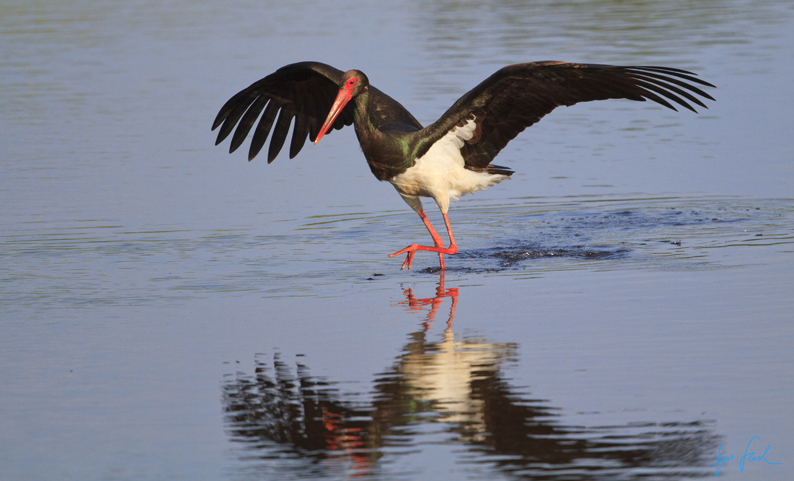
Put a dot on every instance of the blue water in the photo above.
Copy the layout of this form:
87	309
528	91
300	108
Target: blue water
620	309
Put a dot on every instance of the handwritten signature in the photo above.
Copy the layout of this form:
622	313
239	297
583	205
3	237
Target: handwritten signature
749	457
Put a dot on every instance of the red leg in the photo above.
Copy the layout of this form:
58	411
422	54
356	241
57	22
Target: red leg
411	249
436	238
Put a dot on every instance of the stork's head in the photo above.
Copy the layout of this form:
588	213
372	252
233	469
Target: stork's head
353	83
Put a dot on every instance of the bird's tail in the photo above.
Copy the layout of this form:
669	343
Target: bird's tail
499	170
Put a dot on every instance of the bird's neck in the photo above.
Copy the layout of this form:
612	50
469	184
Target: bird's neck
385	152
361	117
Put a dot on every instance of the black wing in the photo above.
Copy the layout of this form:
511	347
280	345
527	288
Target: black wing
304	91
517	96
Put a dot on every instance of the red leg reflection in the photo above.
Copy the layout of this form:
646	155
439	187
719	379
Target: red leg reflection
415	304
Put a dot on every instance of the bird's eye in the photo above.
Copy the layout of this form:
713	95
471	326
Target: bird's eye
351	82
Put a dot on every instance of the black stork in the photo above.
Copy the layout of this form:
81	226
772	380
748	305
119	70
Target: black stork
451	157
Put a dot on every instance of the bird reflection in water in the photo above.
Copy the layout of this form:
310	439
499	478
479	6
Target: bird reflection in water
451	392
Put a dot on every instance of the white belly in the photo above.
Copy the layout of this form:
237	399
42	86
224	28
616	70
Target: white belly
441	174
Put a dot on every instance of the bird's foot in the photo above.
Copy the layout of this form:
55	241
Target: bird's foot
409	258
411	251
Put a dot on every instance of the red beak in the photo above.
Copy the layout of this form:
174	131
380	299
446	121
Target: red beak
342	98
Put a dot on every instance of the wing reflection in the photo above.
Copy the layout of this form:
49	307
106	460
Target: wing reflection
447	391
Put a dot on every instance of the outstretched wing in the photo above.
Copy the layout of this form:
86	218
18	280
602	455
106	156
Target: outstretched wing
304	91
517	96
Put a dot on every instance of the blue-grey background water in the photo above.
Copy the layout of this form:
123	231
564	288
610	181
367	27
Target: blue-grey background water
621	309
